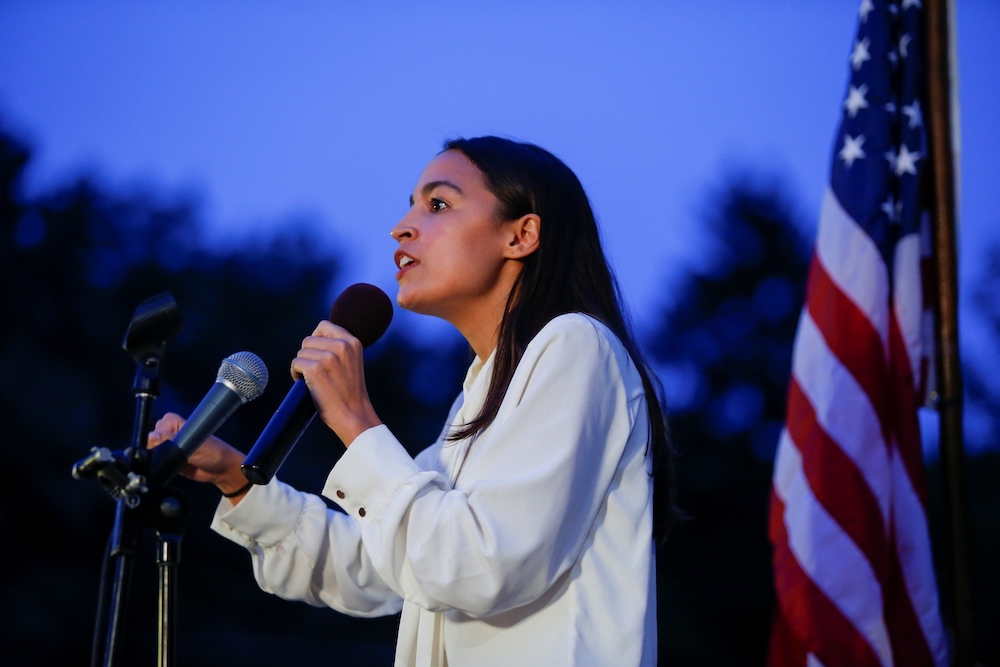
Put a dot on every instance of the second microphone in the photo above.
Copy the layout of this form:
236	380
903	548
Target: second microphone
363	310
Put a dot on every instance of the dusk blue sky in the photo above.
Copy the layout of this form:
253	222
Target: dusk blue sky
328	111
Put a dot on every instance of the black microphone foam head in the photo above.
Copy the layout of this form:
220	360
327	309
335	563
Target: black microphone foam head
364	310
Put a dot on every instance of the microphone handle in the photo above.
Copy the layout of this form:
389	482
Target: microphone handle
215	408
287	425
219	404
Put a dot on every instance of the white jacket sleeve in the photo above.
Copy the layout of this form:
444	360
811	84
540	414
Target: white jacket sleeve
530	491
302	550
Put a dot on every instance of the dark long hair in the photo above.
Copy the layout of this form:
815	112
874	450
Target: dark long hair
568	273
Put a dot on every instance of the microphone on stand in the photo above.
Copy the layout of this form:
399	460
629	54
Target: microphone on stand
365	311
242	377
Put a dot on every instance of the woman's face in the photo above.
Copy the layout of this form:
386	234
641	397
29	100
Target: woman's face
453	255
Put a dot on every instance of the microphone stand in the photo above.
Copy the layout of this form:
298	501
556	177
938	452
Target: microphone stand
140	503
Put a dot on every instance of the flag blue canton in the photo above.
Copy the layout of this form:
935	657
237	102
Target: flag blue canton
881	149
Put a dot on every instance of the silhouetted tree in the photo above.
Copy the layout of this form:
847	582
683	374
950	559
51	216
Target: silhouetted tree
74	264
724	347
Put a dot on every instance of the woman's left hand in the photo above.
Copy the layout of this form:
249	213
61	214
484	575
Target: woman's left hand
332	363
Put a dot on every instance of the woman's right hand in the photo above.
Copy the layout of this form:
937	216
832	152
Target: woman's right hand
214	461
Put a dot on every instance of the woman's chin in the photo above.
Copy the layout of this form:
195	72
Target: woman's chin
407	300
420	306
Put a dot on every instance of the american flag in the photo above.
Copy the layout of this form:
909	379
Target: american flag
852	556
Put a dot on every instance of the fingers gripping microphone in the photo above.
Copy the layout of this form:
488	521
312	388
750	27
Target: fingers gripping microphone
365	311
242	377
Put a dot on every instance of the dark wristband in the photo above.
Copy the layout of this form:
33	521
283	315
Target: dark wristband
243	489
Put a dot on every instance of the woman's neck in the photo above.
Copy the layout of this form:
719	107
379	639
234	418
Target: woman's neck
482	330
480	322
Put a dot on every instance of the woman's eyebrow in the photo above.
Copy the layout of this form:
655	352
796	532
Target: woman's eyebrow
429	187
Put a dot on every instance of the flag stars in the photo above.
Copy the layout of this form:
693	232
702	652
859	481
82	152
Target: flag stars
892	208
906	162
913	113
865	8
891	157
911	3
904	42
860	53
852	149
856	100
891	107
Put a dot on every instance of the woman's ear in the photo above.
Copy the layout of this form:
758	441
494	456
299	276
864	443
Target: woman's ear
522	235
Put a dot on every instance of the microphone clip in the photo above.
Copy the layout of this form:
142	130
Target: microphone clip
112	471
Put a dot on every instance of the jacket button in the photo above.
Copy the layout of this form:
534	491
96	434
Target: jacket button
361	511
340	494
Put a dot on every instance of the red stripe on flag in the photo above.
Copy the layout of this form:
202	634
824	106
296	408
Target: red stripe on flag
851	337
909	644
836	481
818	623
785	648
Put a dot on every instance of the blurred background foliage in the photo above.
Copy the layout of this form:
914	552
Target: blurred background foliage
76	262
724	345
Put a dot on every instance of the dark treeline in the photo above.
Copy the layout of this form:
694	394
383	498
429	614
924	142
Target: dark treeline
982	402
725	342
76	261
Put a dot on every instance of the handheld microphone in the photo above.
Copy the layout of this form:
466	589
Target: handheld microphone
242	377
365	311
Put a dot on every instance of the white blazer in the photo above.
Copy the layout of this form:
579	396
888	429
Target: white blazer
529	546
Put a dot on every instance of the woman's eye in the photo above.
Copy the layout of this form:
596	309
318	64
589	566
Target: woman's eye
438	205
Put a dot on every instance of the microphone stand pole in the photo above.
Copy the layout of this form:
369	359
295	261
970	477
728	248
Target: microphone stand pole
125	535
123	474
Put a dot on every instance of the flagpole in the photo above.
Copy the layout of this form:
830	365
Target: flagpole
940	70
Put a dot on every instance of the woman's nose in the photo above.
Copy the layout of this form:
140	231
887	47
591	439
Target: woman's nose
403	230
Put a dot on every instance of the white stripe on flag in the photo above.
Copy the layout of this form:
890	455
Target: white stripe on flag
853	262
842	409
908	299
827	554
914	548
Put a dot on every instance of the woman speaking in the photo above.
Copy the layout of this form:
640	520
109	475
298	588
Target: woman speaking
525	534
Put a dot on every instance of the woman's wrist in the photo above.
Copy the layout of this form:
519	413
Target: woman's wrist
233	483
357	427
238	492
